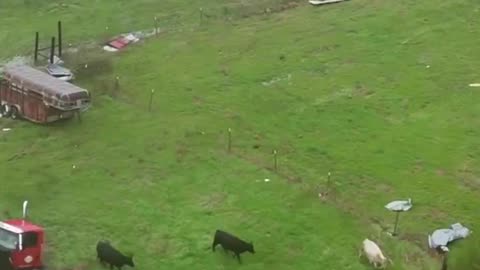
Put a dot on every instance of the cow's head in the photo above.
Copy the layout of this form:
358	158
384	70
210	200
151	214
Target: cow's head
129	261
250	248
381	260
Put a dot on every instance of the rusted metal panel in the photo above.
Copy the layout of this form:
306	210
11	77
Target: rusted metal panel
41	82
39	97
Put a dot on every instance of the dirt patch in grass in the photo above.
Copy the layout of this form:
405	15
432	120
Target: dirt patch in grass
384	188
416	169
378	223
468	178
198	101
440	172
413	257
160	245
181	152
362	91
295	250
213	200
416	239
471	182
437	214
89	64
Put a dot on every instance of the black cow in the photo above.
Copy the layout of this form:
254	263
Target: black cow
232	243
107	253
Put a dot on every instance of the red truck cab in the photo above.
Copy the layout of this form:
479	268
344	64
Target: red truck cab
23	241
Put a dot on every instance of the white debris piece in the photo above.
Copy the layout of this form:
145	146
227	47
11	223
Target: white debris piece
440	238
276	80
323	2
397	206
6	129
474	85
109	49
131	37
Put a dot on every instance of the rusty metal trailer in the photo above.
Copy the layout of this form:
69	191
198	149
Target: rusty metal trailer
36	96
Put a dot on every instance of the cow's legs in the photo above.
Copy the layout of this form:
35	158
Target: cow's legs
238	257
213	246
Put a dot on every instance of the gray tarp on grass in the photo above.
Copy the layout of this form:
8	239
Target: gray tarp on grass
398	206
440	238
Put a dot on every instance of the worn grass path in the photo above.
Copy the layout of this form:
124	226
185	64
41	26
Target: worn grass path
374	91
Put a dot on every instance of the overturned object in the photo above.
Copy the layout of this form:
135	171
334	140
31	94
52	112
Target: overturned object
34	95
60	72
440	238
397	206
121	42
324	2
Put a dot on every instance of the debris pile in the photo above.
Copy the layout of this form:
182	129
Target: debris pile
440	238
123	40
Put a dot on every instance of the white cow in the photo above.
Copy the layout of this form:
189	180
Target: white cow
374	254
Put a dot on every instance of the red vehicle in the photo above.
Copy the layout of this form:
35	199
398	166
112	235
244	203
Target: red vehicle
21	244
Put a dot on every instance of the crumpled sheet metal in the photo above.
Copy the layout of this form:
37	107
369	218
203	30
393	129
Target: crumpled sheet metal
398	206
440	238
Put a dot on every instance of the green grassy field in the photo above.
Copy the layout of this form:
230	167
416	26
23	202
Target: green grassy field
375	92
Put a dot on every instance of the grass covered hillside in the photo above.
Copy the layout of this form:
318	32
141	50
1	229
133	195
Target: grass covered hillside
375	92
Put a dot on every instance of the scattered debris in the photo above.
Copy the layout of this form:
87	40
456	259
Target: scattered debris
123	40
427	66
440	238
60	72
324	2
6	129
120	42
74	167
399	205
109	49
267	180
474	85
275	80
57	60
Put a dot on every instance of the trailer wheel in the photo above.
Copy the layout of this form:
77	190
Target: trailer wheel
5	110
14	113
